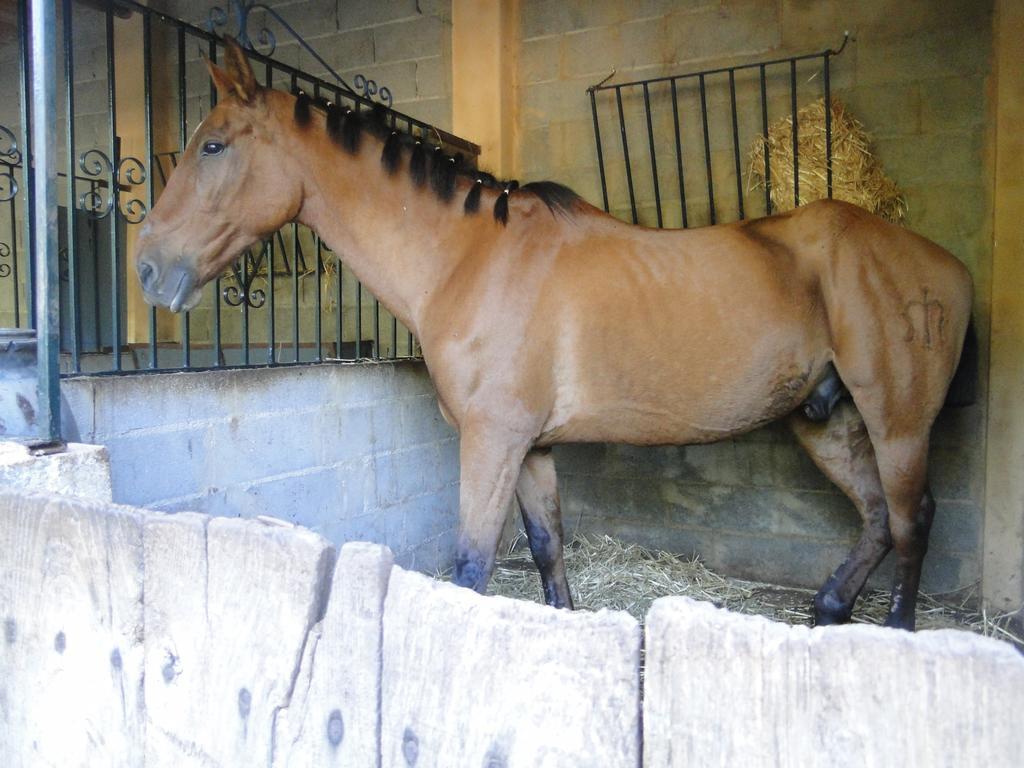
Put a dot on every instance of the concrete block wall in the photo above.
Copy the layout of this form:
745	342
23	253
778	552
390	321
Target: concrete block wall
403	44
349	451
918	77
756	507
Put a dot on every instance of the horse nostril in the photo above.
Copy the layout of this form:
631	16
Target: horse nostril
147	274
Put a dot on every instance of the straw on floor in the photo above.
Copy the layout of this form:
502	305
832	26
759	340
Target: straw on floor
857	175
607	573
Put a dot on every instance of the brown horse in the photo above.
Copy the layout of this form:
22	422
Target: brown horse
547	322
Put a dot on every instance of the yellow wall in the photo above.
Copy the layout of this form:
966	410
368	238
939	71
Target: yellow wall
1004	520
485	44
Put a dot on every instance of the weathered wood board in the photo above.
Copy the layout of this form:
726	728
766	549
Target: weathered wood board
726	689
334	717
71	650
230	605
488	681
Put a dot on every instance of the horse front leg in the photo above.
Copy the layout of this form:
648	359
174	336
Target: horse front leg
490	455
537	491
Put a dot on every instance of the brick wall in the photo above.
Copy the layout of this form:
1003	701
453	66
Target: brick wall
349	451
917	76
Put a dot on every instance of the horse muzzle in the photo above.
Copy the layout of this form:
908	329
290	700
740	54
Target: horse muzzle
174	287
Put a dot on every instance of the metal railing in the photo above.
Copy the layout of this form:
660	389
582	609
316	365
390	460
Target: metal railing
144	86
663	97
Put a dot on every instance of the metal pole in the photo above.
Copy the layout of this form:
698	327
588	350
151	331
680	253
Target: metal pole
42	28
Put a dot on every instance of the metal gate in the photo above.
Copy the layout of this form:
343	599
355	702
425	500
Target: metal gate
670	149
135	87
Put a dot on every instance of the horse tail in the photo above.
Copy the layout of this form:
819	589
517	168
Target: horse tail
963	388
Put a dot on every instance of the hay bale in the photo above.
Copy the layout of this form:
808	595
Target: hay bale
857	175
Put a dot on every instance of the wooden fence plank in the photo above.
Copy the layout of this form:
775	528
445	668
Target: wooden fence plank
334	719
230	605
71	653
725	689
488	681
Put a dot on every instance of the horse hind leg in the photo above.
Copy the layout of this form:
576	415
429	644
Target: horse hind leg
902	462
537	492
841	448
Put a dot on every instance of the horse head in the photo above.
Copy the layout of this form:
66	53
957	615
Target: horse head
226	193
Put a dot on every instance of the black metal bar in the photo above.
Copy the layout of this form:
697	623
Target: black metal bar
147	77
71	213
246	297
218	351
339	322
707	148
764	130
600	159
186	321
721	70
115	211
271	298
679	155
271	305
828	127
796	133
625	154
44	244
376	328
317	321
94	228
295	290
14	263
736	143
295	272
654	159
359	320
25	85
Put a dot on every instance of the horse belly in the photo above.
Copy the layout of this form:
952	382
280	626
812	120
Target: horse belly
669	402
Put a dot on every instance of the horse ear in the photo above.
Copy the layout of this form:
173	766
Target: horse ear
237	79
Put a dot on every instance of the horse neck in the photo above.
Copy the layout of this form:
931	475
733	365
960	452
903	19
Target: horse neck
399	241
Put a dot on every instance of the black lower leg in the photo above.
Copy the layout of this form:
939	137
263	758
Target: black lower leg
546	548
907	577
834	602
471	569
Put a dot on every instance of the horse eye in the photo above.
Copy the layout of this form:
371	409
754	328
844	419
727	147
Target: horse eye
212	148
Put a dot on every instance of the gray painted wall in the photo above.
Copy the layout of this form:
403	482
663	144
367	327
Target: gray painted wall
349	451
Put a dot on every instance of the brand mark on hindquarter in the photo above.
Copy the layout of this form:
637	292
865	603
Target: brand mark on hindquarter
925	319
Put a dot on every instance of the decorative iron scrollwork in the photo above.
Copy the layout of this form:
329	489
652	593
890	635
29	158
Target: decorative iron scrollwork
5	253
371	89
241	10
245	271
10	156
97	167
219	17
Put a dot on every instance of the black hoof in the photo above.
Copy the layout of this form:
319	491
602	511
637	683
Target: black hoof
555	599
899	621
830	610
469	571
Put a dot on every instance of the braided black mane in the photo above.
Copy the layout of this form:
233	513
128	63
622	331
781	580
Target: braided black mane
428	161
